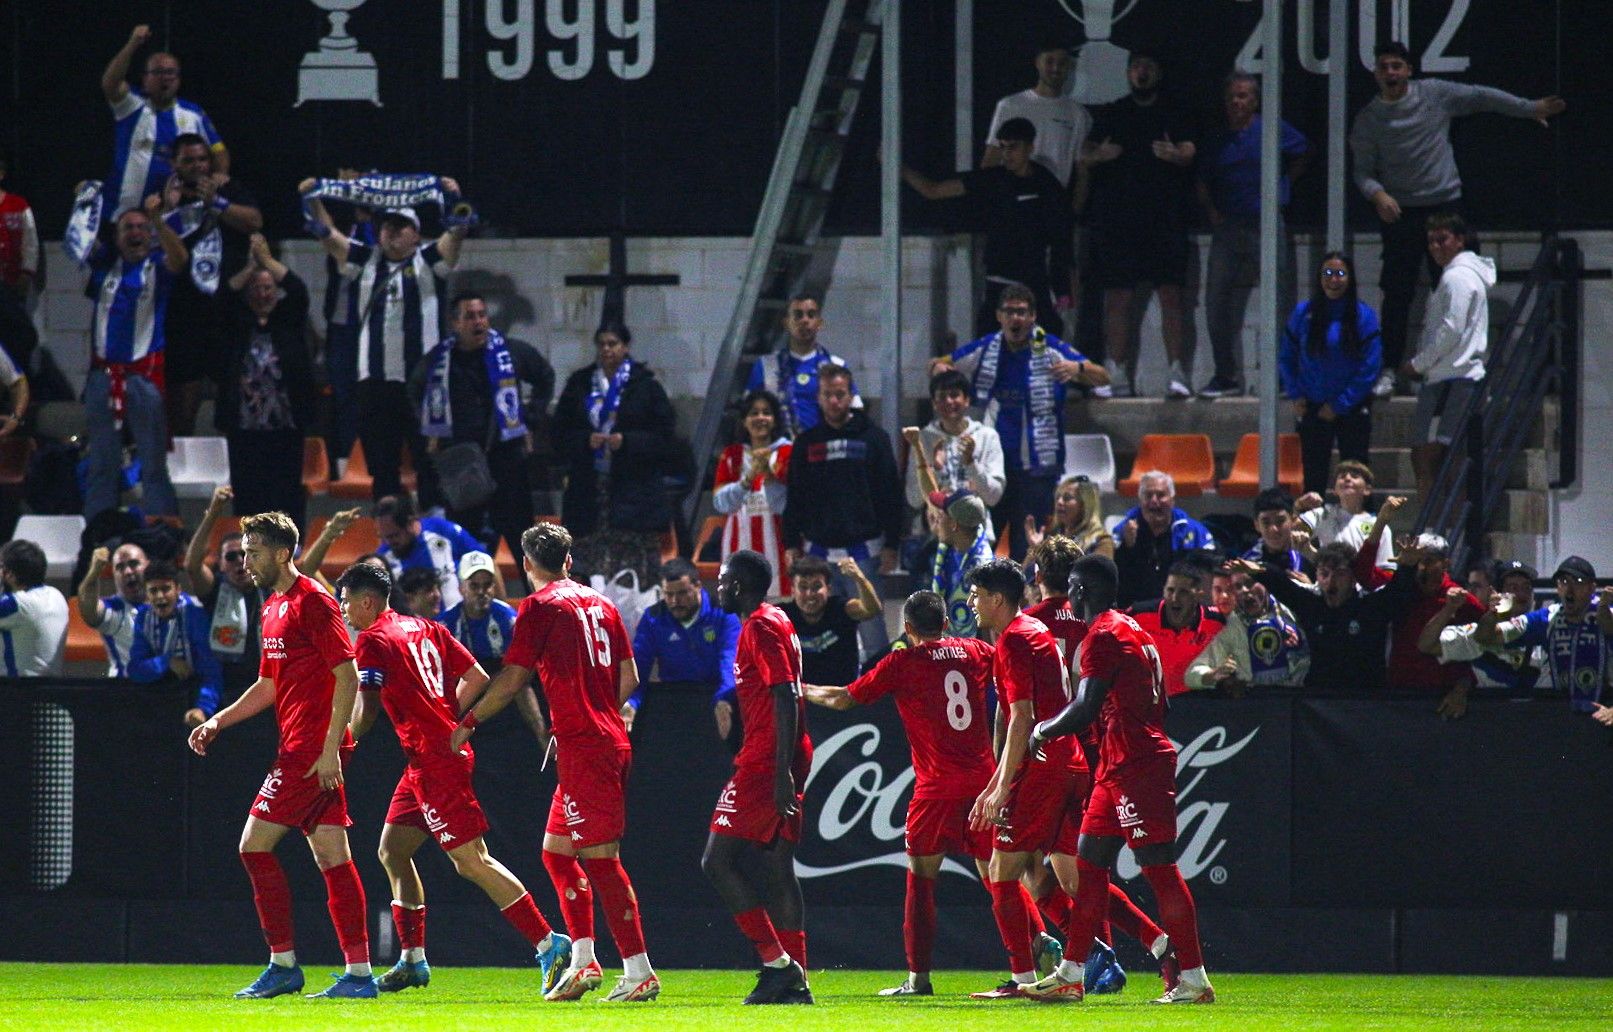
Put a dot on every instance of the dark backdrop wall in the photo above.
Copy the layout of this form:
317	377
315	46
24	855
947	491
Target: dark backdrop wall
571	117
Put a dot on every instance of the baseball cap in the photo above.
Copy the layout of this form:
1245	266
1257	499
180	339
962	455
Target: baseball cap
473	562
1514	567
406	214
962	505
1574	566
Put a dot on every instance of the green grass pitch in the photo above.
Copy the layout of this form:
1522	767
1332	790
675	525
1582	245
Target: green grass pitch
123	998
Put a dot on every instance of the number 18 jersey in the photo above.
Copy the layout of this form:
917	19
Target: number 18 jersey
940	688
573	637
416	665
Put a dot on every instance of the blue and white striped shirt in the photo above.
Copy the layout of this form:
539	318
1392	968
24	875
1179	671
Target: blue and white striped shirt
395	327
143	147
33	629
131	305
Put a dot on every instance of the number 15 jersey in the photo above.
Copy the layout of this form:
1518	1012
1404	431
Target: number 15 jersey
416	665
573	637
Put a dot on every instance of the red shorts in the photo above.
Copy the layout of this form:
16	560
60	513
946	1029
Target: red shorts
1137	805
745	809
439	801
590	802
937	826
288	798
1044	811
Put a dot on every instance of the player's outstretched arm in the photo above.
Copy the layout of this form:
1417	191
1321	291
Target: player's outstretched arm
785	735
328	768
510	680
256	699
831	697
1081	711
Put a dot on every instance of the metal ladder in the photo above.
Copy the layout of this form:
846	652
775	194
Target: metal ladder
785	246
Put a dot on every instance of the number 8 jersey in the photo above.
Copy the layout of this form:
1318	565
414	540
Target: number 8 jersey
416	665
573	637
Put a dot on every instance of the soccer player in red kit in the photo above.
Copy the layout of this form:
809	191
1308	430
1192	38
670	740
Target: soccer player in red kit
1055	560
1034	796
757	821
1134	796
940	687
573	638
421	675
307	674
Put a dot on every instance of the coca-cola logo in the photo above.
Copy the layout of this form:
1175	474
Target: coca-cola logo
864	804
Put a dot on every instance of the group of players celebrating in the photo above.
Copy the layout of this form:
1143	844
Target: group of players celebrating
1036	798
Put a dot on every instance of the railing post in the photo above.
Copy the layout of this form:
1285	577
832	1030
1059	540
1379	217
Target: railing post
1568	266
1477	524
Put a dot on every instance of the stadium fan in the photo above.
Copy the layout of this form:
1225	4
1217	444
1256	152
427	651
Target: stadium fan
827	624
959	450
1077	515
481	622
687	640
33	615
1346	518
410	541
1179	624
1274	519
1152	536
1576	632
1261	644
171	639
791	373
113	615
958	519
751	486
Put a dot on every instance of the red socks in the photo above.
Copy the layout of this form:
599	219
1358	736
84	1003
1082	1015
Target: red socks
344	895
1129	918
272	896
794	942
758	928
411	925
576	898
621	906
1177	913
522	914
1008	906
1056	906
918	923
1091	898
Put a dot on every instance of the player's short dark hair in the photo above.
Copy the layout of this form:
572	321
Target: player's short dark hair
369	579
547	545
1055	557
184	140
678	568
274	529
1190	569
949	380
398	508
1099	574
159	570
1017	292
413	580
810	566
1336	554
926	611
1018	130
752	569
1000	577
25	561
463	296
833	371
1392	48
1273	499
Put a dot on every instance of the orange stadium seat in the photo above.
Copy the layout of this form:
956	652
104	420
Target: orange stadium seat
84	645
358	484
361	538
709	542
1244	479
1188	458
224	525
315	466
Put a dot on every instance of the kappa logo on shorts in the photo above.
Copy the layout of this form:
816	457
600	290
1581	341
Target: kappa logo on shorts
1137	833
263	804
722	821
445	837
1126	811
576	836
728	802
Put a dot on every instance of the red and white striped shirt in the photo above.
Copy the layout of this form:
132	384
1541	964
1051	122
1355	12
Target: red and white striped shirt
755	508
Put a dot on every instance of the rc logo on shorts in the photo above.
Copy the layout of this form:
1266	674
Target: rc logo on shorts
271	784
1126	811
434	822
573	815
726	803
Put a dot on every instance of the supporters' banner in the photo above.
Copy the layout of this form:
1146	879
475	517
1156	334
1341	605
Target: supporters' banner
389	192
573	116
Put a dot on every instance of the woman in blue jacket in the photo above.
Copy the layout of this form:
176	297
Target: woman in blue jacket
1330	357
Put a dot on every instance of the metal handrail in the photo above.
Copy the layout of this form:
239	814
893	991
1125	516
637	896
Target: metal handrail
1537	351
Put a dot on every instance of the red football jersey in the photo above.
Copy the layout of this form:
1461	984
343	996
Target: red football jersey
574	638
940	688
1133	713
1068	631
1027	666
1178	648
769	653
304	640
416	665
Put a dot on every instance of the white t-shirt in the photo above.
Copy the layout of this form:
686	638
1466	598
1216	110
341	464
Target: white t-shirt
1062	124
8	370
1331	523
33	631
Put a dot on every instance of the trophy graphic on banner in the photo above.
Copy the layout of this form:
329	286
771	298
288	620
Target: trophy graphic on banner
1100	65
338	70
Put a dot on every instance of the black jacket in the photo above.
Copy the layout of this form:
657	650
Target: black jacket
647	423
470	396
287	329
1347	642
844	488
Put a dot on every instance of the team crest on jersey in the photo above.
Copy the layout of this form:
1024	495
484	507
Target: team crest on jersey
283	607
711	634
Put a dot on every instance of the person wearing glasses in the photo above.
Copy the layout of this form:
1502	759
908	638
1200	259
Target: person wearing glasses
1576	632
233	603
1328	360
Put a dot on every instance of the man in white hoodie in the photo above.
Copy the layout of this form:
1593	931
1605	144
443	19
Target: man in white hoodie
1456	335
